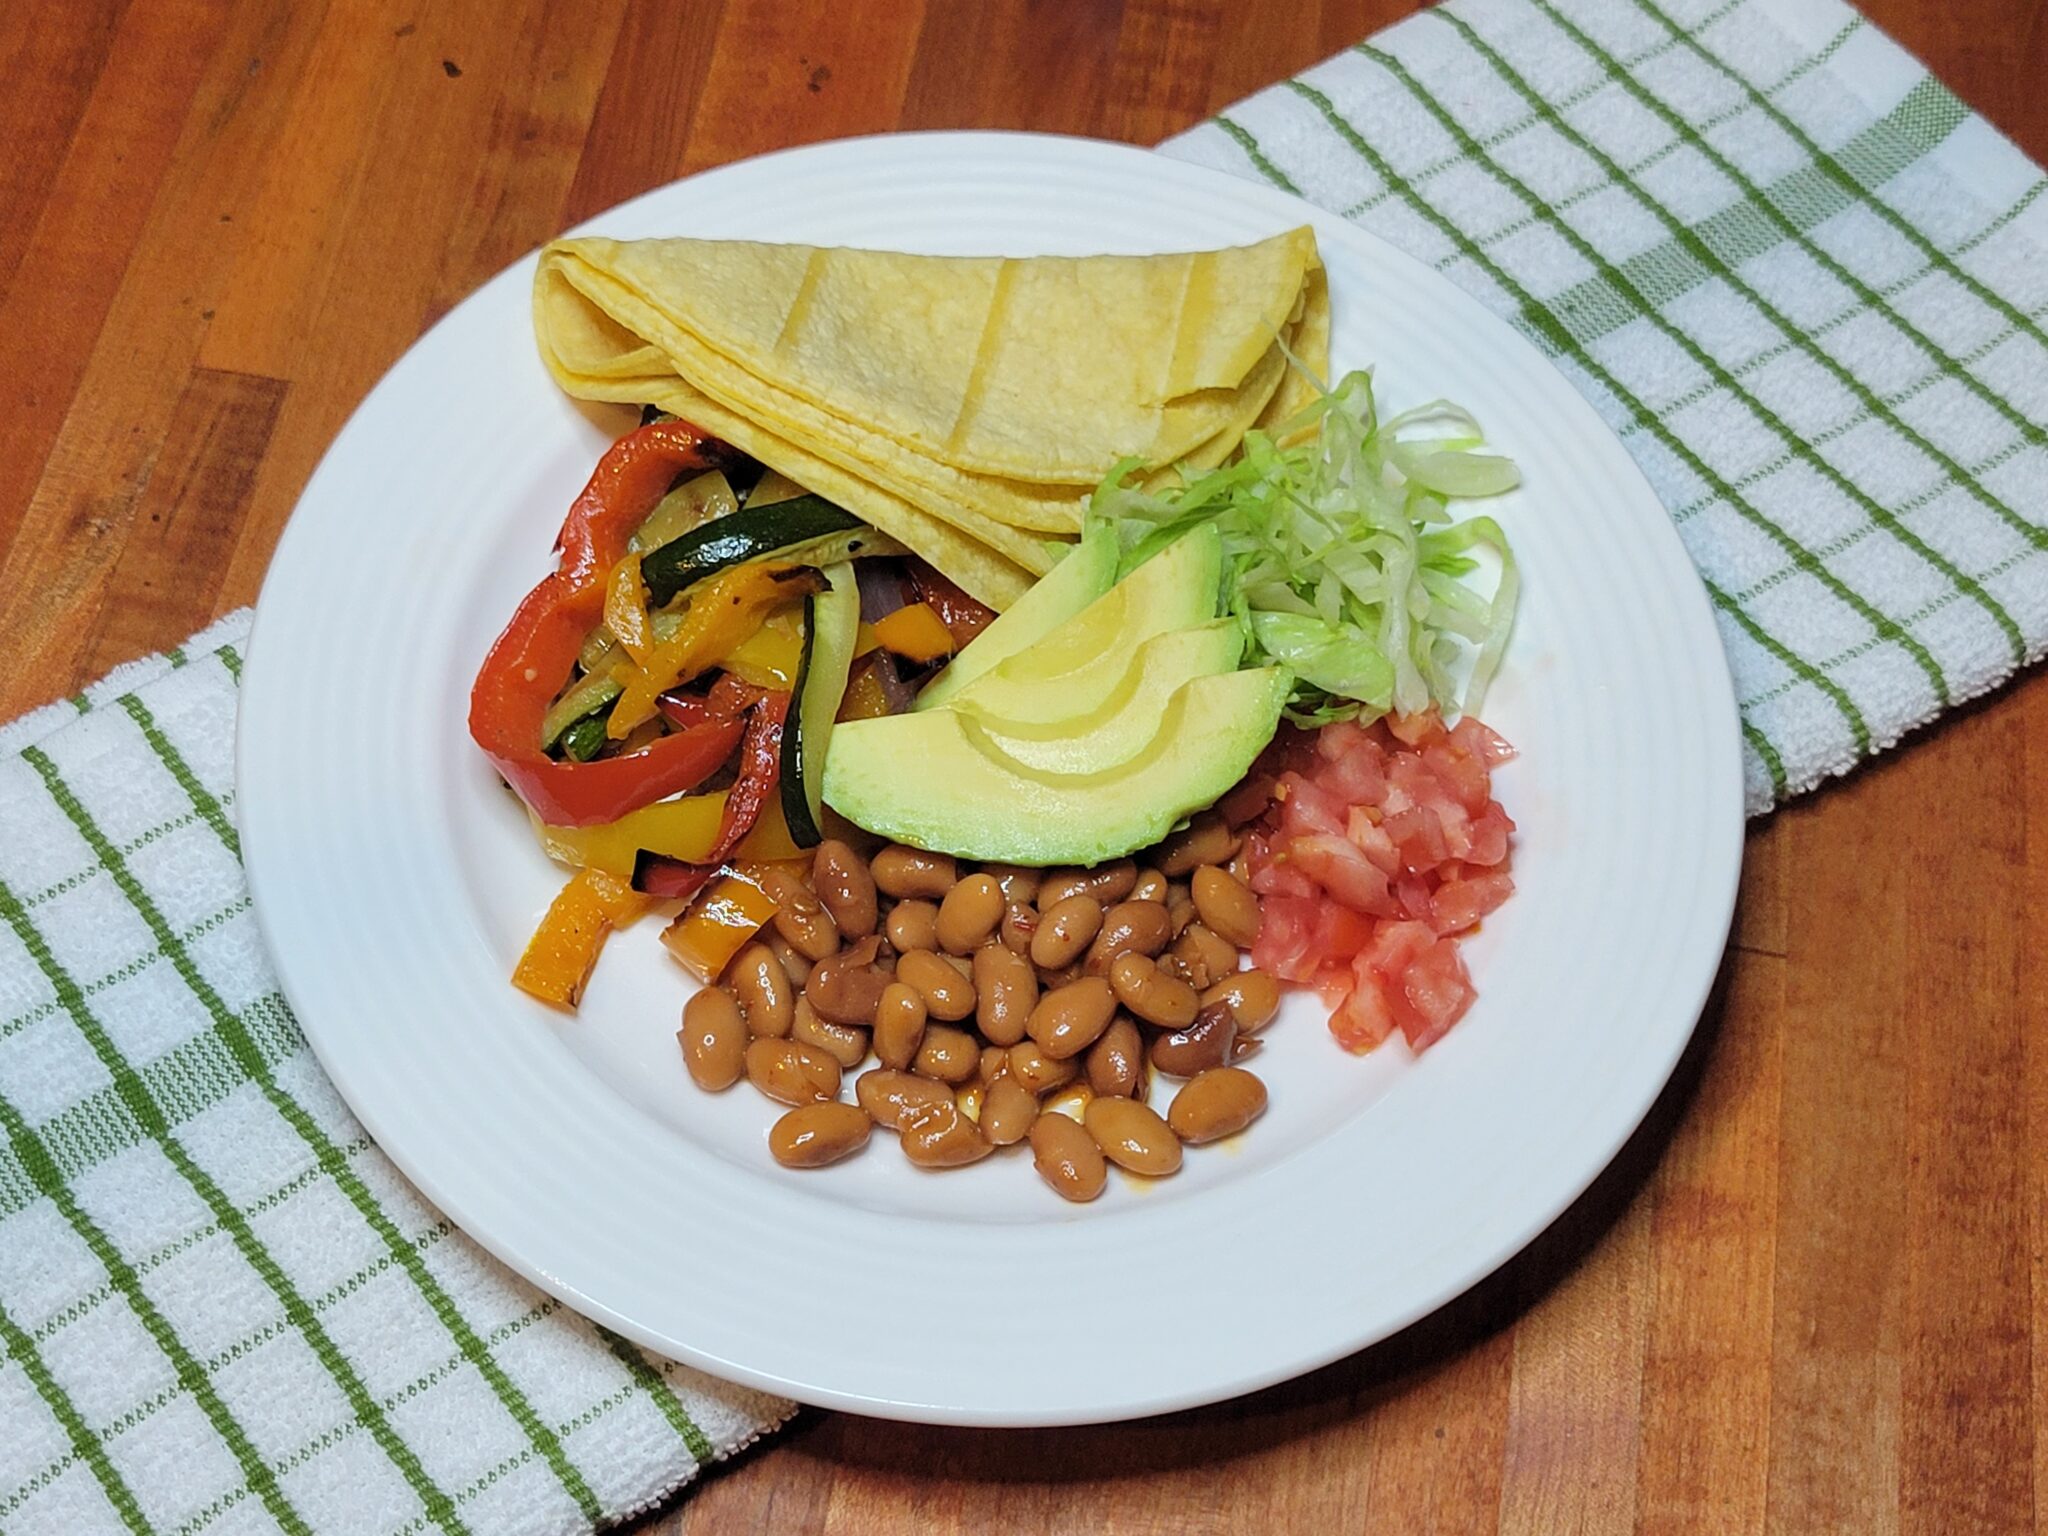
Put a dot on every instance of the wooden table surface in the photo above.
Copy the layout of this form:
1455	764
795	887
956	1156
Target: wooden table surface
1811	1295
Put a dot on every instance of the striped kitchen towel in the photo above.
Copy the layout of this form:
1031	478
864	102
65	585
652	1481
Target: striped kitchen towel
221	1308
1806	286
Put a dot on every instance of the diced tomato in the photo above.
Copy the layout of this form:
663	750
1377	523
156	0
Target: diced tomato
1435	992
1363	1019
1286	931
1371	838
1278	877
1413	893
1396	946
1306	806
1378	846
1340	868
1339	930
1353	766
1458	904
1481	741
1418	837
1414	730
1332	984
1488	839
1460	772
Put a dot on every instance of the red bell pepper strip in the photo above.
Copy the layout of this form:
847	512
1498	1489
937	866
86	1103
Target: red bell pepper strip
964	616
760	773
670	879
729	699
532	659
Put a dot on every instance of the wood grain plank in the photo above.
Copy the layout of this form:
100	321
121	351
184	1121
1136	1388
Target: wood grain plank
295	220
401	232
187	516
1706	1386
2030	703
1166	54
1965	1398
1839	1282
1575	1407
1761	905
642	122
509	191
965	73
57	581
1435	1440
786	1486
77	251
783	75
50	57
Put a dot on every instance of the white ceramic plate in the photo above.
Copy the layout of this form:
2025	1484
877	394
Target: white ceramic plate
396	881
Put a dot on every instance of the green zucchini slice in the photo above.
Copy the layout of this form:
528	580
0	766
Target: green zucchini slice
831	631
808	530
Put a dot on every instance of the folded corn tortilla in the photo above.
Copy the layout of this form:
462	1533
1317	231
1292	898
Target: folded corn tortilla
965	405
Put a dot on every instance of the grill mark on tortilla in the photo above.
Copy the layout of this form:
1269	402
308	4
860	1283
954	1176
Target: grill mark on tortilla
800	306
1197	313
984	354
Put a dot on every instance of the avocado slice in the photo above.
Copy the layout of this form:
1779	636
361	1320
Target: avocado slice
937	779
1120	726
1076	667
1082	576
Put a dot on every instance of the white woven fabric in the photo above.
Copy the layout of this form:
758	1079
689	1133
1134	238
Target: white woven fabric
221	1308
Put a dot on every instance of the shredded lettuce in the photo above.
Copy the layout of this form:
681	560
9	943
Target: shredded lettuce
1341	558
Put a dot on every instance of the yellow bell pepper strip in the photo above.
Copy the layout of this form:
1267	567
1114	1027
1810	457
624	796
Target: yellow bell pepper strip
770	838
768	658
625	609
685	829
915	632
564	948
723	611
719	924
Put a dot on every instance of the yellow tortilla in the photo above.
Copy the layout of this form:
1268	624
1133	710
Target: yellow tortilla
983	572
966	405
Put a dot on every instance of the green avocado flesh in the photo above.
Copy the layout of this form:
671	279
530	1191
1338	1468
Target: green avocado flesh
938	779
1123	723
1078	580
1075	668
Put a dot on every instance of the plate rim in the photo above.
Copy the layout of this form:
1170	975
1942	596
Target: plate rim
435	1187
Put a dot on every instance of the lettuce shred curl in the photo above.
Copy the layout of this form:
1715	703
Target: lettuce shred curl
1341	558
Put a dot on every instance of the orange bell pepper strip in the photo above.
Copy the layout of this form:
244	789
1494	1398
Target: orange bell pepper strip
533	658
558	960
719	924
915	632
